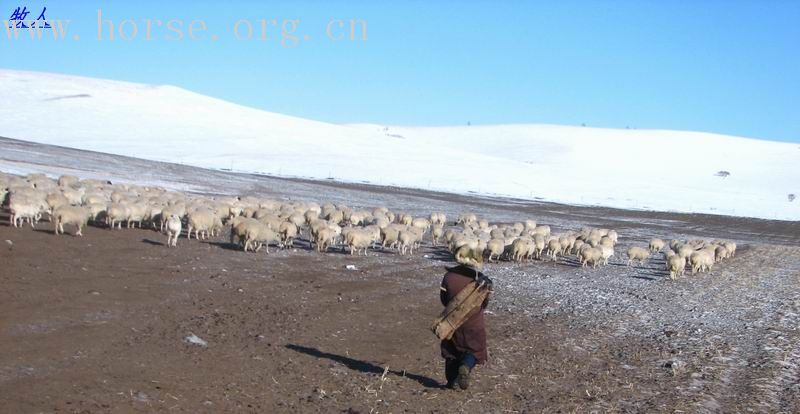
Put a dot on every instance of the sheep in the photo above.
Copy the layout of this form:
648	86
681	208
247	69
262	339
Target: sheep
528	225
25	208
178	210
74	215
405	219
358	240
95	210
389	236
408	238
136	214
466	218
239	227
259	235
115	214
495	247
288	231
576	247
56	200
656	245
174	227
637	253
461	240
382	221
468	255
593	255
721	252
75	197
543	230
438	218
68	181
676	265
606	241
606	252
612	234
203	222
566	243
731	246
359	217
685	251
324	238
538	246
497	233
520	249
553	248
421	223
436	233
701	261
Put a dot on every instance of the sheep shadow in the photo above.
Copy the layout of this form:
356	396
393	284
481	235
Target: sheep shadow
43	229
650	277
226	245
363	366
153	242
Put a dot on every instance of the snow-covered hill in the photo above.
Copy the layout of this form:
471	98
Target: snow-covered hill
641	169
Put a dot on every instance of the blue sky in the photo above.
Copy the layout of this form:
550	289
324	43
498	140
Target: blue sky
729	67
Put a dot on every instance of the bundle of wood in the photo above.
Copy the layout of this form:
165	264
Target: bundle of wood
465	304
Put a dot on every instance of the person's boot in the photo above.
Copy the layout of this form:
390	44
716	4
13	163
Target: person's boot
463	376
451	373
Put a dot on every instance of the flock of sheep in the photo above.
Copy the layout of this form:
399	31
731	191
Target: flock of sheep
258	223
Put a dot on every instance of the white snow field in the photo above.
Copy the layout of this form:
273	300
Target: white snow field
635	169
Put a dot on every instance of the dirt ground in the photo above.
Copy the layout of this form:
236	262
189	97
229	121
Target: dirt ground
99	323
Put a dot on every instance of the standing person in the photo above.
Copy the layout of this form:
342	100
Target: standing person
467	346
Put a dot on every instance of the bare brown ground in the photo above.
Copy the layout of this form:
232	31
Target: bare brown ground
98	323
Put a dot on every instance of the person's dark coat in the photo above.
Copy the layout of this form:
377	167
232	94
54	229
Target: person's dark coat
471	336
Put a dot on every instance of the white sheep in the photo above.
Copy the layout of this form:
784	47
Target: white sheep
389	236
701	261
606	252
409	238
520	249
174	227
68	181
203	222
258	236
538	246
288	231
421	223
676	265
588	254
438	218
77	216
436	233
55	200
495	248
323	238
731	246
542	230
721	252
24	208
359	240
553	248
116	213
637	253
239	227
656	245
